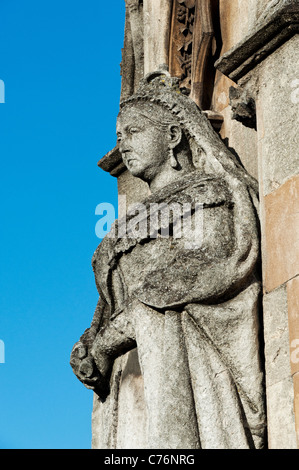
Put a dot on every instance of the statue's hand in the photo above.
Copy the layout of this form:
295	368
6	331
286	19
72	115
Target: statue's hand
82	364
86	371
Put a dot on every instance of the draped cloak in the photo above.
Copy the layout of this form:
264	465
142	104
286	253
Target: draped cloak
192	310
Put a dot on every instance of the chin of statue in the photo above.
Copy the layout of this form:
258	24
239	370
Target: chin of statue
138	172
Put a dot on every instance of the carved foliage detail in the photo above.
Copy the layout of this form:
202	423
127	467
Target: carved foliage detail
185	15
191	36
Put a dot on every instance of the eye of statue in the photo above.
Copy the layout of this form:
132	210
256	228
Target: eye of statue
134	130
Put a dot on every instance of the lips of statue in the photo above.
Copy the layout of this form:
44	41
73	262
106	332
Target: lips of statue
142	144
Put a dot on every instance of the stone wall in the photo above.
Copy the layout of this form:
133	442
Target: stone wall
273	158
278	145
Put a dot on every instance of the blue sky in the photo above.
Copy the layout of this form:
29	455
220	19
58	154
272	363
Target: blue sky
60	62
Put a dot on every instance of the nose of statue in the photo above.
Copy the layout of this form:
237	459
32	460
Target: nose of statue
123	147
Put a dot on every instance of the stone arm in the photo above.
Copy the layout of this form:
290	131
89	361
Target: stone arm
90	367
82	362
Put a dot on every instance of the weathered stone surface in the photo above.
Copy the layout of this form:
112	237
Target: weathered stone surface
277	24
237	14
243	107
277	111
296	403
293	309
132	413
220	99
157	19
173	295
279	384
132	66
276	333
122	423
268	58
176	33
241	140
131	190
281	243
280	415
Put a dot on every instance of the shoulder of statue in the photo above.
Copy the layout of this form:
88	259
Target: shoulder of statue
208	190
103	252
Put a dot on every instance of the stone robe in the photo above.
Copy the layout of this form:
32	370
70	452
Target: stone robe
192	311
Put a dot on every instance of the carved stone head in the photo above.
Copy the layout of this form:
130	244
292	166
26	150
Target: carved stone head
152	142
162	135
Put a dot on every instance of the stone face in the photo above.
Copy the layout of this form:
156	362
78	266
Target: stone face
243	106
187	295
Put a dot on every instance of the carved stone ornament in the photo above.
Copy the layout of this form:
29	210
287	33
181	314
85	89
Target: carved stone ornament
190	45
187	300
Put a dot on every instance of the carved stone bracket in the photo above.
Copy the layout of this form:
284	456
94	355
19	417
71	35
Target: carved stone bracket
243	106
277	25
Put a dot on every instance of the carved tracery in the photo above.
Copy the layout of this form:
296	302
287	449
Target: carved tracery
190	44
190	31
182	41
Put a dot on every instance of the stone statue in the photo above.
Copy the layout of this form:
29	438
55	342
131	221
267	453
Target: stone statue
192	309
